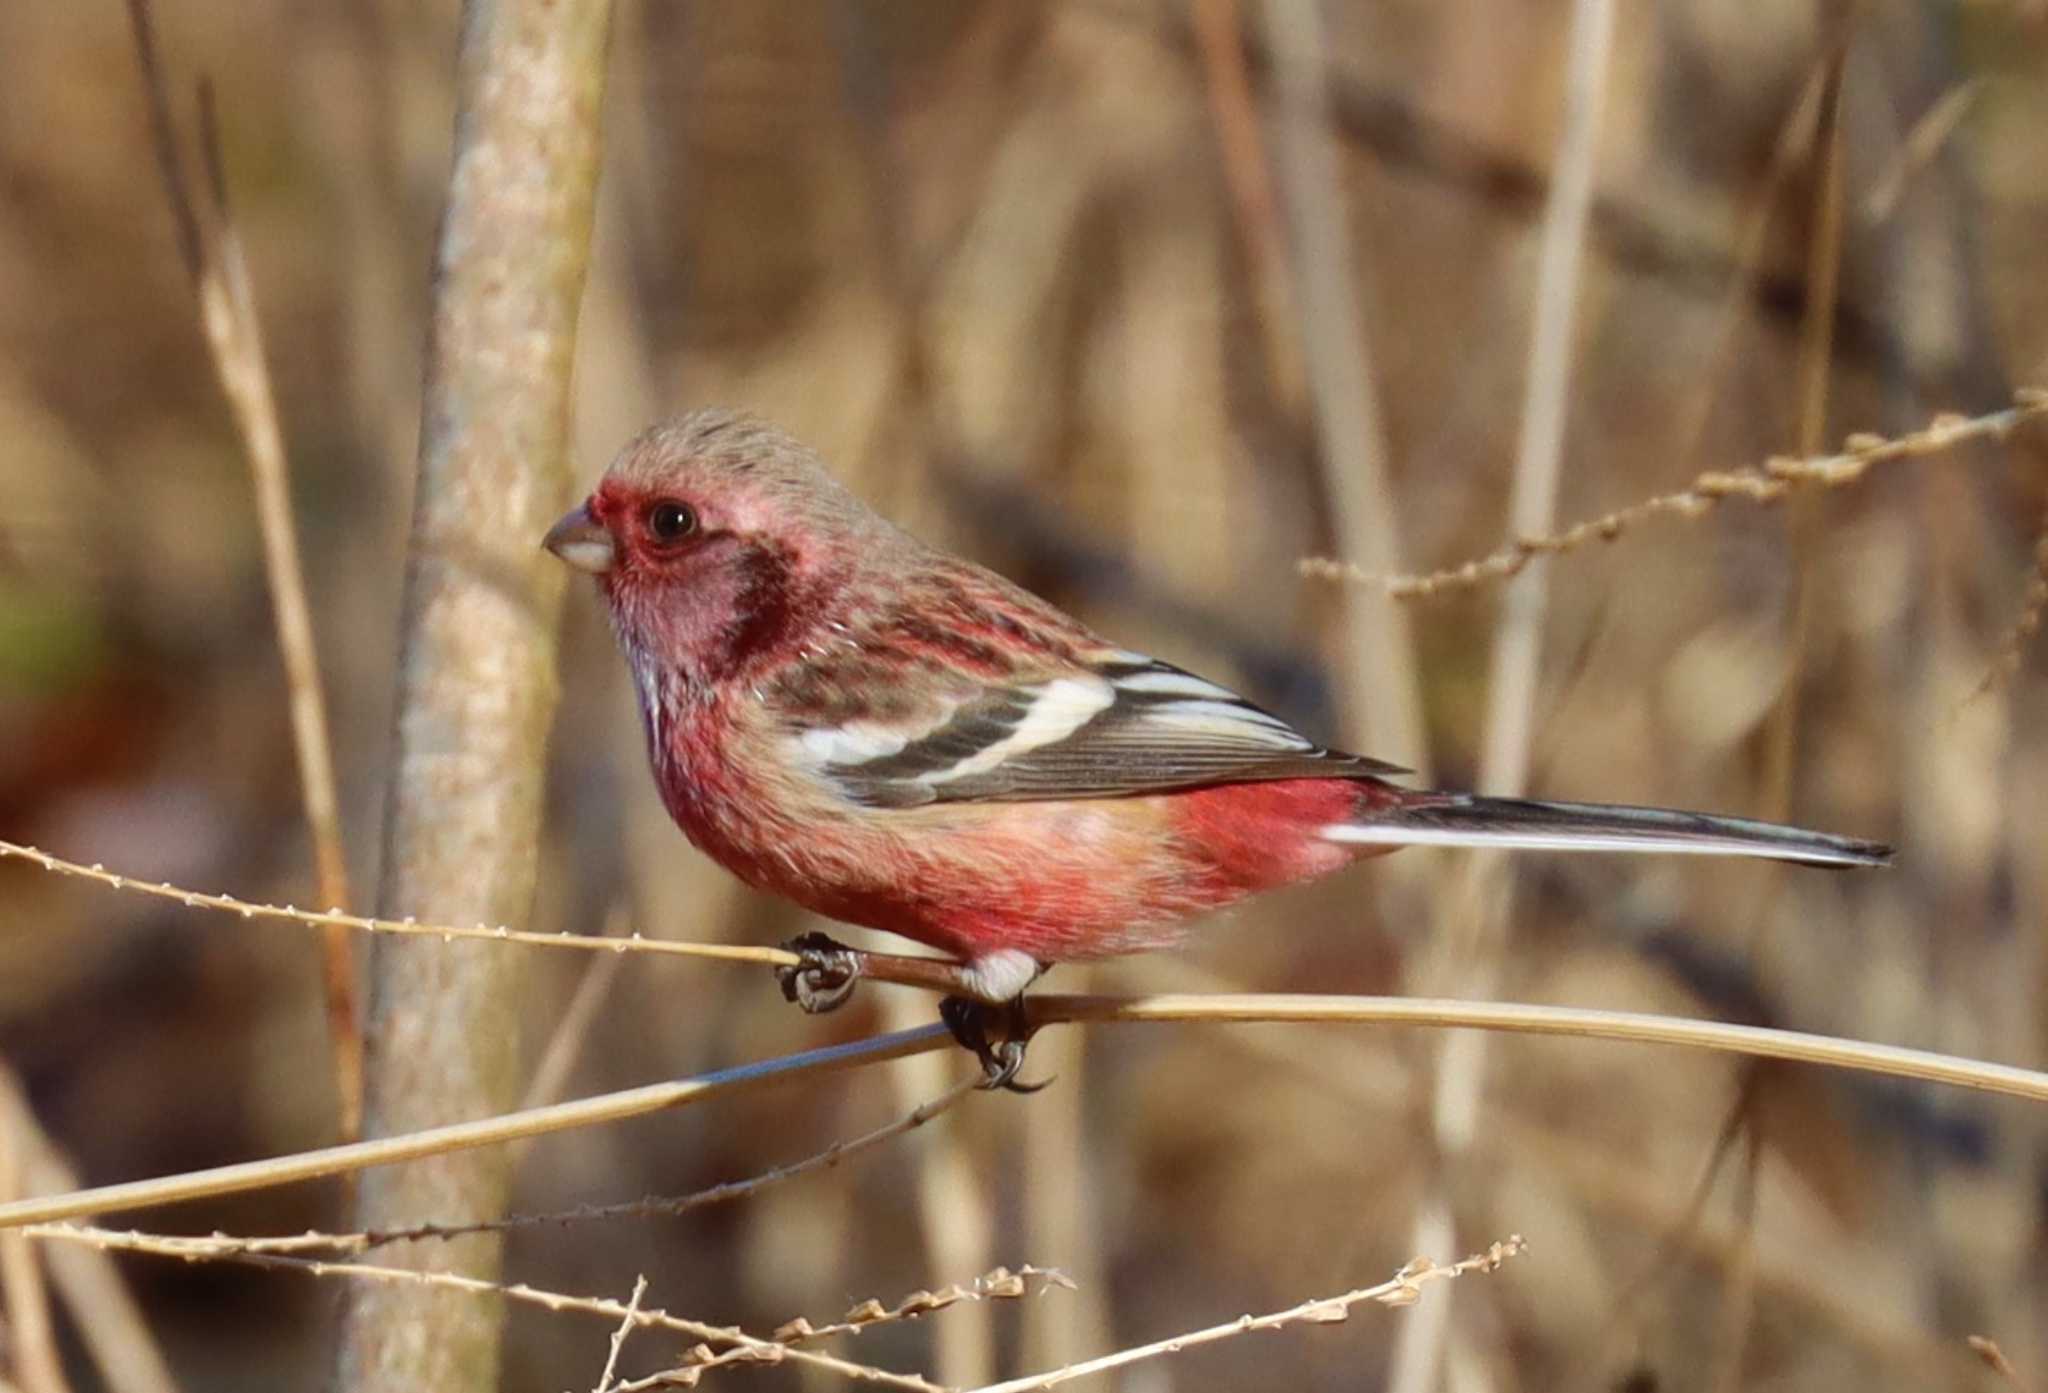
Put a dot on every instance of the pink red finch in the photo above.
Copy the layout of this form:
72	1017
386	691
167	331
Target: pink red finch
895	737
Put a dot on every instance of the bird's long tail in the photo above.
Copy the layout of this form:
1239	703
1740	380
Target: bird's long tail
1453	819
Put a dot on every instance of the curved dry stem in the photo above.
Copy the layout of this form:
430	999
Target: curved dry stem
314	1242
1275	1008
463	1136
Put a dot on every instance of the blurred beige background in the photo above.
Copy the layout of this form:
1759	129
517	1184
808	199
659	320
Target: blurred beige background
1030	274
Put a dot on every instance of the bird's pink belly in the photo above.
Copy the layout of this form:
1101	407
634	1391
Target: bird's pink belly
1056	880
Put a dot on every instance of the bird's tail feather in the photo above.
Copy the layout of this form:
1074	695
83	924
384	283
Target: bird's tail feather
1468	820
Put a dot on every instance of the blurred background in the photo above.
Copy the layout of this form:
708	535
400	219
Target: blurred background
1051	284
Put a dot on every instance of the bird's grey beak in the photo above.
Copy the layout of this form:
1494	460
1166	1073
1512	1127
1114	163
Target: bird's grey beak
581	540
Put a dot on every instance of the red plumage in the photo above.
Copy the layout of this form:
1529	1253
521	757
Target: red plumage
897	738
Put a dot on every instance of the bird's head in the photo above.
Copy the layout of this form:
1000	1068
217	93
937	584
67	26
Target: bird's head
712	537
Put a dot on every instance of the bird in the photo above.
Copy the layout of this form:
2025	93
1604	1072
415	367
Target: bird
896	737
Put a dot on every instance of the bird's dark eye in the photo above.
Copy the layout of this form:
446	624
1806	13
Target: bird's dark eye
669	521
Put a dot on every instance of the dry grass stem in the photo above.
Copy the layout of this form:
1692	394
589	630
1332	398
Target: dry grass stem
1403	1289
876	967
572	1031
1720	1037
1218	30
1922	144
1475	919
1343	392
195	899
1994	1359
1791	152
214	258
30	1336
626	1324
1268	1008
463	1136
103	1310
653	1206
1766	484
955	1208
187	1249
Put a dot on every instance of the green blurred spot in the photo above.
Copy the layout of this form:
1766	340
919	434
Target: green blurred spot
47	642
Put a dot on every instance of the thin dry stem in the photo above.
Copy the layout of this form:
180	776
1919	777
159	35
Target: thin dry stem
1342	385
25	1298
1986	1349
955	1210
1765	484
572	1031
1474	923
1403	1289
1635	1027
187	1249
247	909
1922	144
900	969
103	1310
1248	175
1815	372
626	1325
653	1206
997	1284
1794	144
212	249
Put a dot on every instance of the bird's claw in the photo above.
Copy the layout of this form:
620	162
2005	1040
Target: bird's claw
825	976
1001	1060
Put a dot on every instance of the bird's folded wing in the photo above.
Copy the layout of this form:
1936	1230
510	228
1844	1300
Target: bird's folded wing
1121	725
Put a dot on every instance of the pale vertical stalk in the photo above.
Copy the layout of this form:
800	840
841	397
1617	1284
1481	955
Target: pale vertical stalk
31	1339
212	251
476	684
1233	110
1816	364
104	1312
1062	1218
1385	695
953	1206
1475	916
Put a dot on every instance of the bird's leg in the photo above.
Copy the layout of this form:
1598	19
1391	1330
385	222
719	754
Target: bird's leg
969	1018
828	970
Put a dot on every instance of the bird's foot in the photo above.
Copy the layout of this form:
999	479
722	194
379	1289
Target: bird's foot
970	1020
825	976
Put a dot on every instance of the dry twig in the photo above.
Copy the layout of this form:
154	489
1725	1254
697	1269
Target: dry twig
1764	485
626	1324
1403	1289
999	1285
247	909
214	1250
